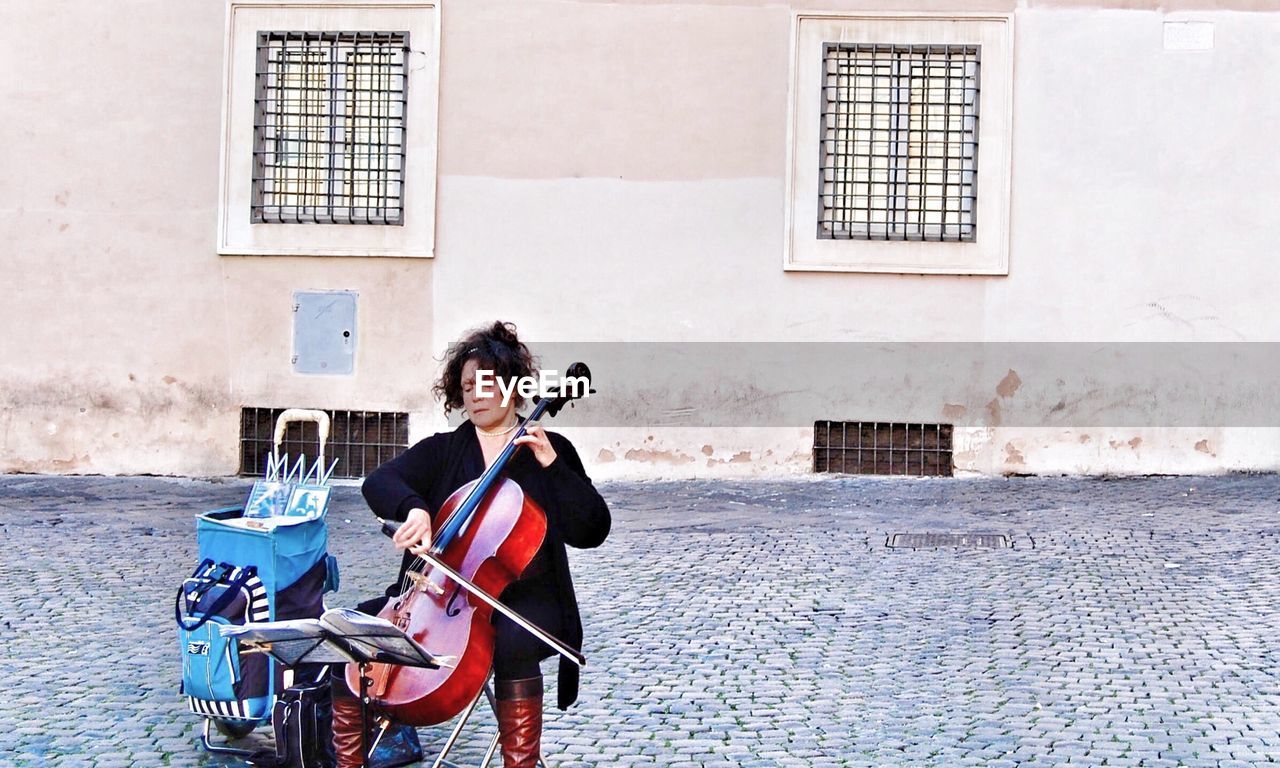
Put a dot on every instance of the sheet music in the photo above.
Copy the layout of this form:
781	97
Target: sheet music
288	641
376	638
339	635
275	631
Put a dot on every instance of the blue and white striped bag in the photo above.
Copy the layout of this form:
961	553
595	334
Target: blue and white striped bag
216	679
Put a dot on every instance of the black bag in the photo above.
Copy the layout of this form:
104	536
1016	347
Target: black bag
399	746
303	721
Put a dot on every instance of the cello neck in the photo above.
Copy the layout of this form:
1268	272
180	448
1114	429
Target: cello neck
458	520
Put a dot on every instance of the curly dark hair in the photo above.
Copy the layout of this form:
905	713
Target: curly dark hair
495	348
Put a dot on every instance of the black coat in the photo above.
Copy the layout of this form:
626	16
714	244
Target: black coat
426	474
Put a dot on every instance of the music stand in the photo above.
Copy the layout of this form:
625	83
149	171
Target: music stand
340	635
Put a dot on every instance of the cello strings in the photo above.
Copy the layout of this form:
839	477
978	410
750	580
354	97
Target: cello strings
419	565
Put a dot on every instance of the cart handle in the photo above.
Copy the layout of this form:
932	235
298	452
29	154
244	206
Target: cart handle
301	414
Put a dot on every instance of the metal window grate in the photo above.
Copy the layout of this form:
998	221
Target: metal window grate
899	142
329	128
882	448
360	440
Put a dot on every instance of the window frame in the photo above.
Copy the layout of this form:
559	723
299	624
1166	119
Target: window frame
988	253
237	234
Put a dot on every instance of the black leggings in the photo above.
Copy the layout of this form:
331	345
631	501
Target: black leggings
516	652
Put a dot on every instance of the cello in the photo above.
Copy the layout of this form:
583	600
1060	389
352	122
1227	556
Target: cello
490	532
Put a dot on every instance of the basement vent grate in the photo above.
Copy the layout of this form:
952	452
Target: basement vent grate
935	540
359	440
882	448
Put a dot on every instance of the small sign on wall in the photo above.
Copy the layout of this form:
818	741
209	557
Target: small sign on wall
1188	35
324	332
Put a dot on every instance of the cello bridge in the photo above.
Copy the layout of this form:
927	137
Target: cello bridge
423	582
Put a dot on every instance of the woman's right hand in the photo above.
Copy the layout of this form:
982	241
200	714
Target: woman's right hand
415	533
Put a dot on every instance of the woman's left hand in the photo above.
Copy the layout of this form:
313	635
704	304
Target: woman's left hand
536	438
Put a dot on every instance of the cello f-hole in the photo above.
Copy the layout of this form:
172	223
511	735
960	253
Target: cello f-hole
449	609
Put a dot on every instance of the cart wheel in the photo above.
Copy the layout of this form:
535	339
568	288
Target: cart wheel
234	729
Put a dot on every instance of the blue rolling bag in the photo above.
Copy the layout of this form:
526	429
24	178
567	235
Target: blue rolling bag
250	570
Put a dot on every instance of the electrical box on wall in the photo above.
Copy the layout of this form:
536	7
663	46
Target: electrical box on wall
324	332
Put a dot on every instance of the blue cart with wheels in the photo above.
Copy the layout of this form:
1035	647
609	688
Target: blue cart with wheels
252	569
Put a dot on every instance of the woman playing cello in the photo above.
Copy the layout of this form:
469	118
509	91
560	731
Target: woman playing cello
412	488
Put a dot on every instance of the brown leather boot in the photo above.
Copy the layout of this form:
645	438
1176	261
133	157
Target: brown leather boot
520	721
347	744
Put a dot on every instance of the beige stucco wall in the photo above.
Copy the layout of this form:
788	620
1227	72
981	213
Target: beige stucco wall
611	171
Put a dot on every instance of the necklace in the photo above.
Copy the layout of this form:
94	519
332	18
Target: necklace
506	431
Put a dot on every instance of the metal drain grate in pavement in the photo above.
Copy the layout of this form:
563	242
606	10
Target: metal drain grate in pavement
935	540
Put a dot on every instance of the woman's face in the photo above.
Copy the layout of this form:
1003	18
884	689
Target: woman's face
485	412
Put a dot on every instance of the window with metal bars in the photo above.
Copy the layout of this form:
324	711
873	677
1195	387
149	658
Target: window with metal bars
899	142
882	448
329	128
359	440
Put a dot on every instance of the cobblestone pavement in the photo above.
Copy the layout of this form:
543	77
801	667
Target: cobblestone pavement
1133	622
